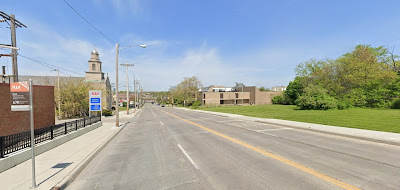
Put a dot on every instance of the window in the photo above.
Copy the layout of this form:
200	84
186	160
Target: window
204	96
221	95
237	95
93	67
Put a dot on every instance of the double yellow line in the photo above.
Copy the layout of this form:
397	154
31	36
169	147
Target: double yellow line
276	157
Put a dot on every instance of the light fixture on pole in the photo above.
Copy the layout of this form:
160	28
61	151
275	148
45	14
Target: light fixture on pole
117	48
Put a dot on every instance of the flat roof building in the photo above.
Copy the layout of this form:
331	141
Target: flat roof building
239	95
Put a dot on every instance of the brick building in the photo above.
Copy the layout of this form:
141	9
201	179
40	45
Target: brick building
12	122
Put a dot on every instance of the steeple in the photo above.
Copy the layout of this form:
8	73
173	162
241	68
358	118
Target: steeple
95	72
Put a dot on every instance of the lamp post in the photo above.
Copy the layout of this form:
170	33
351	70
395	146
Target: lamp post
117	48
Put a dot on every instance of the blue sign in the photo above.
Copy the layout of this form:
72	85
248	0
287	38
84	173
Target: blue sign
94	100
95	107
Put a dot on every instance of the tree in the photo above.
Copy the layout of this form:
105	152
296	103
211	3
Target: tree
293	90
364	77
187	91
74	95
309	67
262	88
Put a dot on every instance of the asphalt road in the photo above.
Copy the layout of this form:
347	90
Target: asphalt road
165	148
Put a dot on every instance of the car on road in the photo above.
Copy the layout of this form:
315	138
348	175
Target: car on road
162	105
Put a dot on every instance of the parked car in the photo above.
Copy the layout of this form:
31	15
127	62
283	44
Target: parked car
163	105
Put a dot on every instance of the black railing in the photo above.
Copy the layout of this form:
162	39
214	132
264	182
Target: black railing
19	141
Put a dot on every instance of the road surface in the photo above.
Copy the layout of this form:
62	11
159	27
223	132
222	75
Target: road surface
166	148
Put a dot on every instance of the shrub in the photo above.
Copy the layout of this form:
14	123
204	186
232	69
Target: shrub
277	99
316	98
196	103
343	105
395	104
107	112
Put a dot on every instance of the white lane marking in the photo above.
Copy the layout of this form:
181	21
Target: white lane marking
273	129
155	115
251	129
188	157
161	123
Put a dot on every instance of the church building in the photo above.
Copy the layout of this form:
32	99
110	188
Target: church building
94	75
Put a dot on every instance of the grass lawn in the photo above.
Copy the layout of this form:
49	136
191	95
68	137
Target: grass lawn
123	108
373	119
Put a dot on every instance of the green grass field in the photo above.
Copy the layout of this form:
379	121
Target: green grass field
373	119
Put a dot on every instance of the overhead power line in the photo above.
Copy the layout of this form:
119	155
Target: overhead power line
89	22
47	64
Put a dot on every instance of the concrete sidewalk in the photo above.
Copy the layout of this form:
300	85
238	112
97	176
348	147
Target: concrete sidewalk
55	166
370	135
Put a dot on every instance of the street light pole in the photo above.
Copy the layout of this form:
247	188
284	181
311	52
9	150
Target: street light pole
116	81
116	88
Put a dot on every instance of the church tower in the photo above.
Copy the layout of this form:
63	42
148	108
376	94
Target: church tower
94	73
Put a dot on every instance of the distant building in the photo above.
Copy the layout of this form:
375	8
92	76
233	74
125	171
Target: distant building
278	88
94	76
238	95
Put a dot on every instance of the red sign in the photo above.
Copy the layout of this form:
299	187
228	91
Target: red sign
20	96
19	86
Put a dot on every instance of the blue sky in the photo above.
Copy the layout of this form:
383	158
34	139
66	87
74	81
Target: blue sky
221	42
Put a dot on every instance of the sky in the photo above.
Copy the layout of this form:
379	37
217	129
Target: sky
256	42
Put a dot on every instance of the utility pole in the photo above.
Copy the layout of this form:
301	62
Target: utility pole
3	77
116	88
127	86
134	90
14	51
137	91
13	25
58	87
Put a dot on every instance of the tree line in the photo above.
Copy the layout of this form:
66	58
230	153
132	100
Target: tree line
366	77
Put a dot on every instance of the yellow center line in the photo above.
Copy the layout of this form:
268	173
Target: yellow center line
274	156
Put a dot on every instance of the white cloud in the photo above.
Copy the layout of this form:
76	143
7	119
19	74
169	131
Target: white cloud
156	67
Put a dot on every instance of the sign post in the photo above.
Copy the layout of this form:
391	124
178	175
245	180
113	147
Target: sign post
22	100
95	101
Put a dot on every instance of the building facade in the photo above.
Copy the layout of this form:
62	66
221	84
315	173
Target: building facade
243	95
278	88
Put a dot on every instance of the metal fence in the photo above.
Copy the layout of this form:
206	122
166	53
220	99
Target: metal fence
19	141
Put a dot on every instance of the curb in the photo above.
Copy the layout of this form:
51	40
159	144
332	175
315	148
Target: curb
67	180
260	120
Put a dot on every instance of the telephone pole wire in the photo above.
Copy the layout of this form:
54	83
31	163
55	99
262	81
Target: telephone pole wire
13	25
